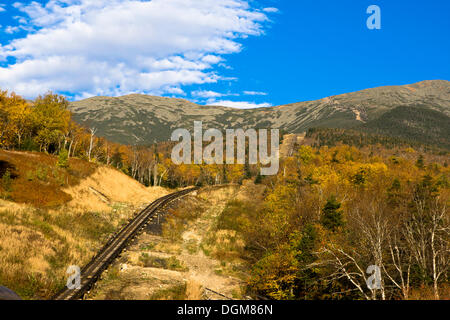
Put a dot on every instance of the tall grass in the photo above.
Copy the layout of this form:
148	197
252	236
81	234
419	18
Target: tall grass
37	246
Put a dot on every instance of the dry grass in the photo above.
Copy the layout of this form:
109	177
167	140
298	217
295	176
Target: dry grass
106	186
205	248
427	292
225	245
175	292
250	192
20	262
38	245
194	290
42	235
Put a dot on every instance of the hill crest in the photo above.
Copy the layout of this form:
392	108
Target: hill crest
143	119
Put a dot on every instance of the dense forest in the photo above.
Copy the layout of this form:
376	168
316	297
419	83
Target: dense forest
319	137
414	124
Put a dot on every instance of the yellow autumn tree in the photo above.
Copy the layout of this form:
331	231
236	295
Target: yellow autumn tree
51	120
15	119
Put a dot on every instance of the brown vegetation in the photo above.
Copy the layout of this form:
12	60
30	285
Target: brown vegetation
36	180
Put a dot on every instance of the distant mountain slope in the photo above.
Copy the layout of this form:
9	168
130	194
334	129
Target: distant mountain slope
413	123
142	119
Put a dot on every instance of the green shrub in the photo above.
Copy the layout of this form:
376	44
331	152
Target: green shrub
176	292
59	176
63	159
41	173
7	181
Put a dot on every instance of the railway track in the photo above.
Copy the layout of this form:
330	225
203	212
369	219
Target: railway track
112	249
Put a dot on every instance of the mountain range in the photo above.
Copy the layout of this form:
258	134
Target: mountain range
419	111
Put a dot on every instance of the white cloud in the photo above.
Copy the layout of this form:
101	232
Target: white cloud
239	104
271	10
114	47
255	93
21	20
211	59
15	29
206	94
11	30
175	90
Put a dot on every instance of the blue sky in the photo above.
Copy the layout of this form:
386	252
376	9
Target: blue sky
228	52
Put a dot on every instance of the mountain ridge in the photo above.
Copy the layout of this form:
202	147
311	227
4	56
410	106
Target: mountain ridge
144	119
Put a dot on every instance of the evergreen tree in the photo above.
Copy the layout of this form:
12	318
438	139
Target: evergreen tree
258	178
420	163
331	215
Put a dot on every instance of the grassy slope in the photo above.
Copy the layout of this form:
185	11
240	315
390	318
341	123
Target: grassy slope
51	218
37	180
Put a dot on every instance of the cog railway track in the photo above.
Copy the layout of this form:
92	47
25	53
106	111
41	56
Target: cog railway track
112	249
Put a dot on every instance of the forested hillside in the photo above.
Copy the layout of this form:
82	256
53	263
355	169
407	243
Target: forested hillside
331	213
413	123
319	137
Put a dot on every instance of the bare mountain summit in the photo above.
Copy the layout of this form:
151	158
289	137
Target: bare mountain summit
142	119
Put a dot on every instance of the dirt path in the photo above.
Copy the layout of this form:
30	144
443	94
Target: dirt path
289	142
203	269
